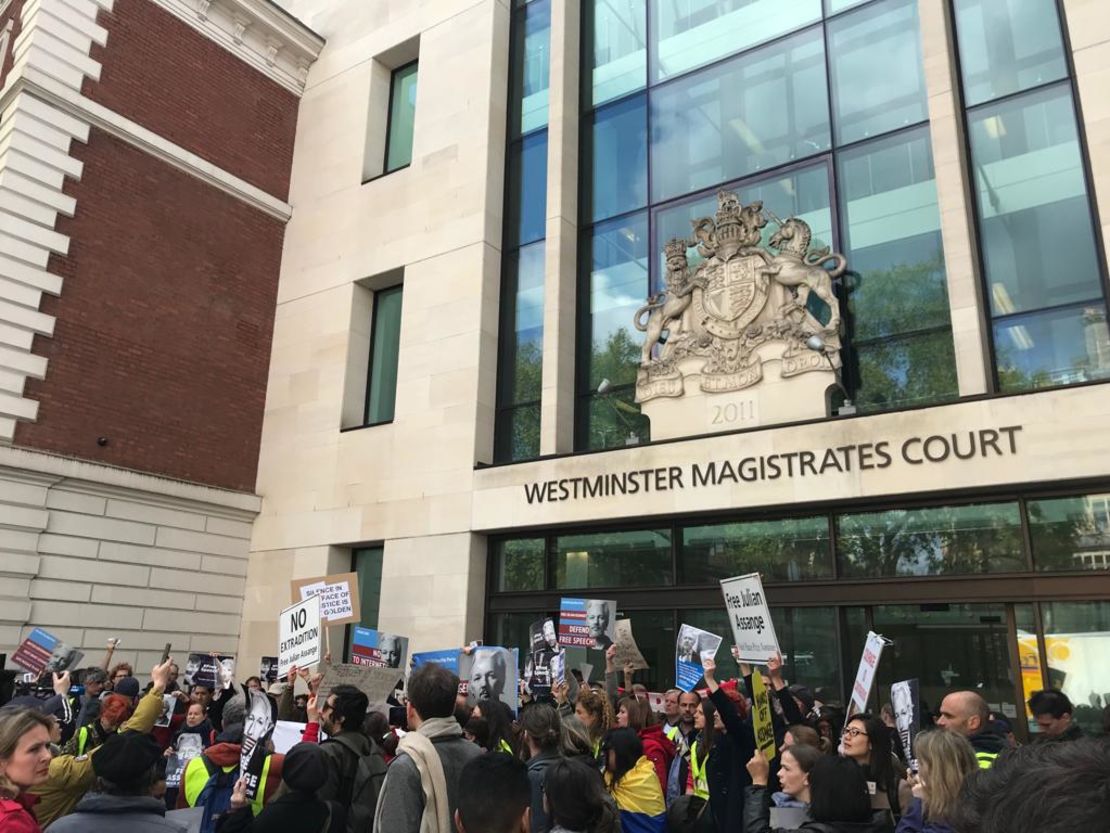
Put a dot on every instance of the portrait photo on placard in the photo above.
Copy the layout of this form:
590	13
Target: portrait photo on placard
491	673
587	623
378	648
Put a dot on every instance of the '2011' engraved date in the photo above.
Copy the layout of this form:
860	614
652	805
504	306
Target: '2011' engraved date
732	412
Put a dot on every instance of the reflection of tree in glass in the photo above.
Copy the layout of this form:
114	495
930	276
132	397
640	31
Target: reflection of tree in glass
787	550
614	559
522	564
1069	533
618	362
931	541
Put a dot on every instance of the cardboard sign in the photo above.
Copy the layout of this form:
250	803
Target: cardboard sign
628	652
750	618
339	603
447	658
287	734
43	652
587	623
865	676
378	684
905	700
378	648
761	717
299	636
691	647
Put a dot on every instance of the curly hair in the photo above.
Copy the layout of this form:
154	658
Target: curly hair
597	704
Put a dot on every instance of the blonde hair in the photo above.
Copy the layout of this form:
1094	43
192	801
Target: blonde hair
947	759
14	724
597	703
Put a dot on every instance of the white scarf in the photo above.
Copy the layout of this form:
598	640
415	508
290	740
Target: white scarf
418	746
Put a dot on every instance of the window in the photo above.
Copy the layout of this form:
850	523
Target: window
402	114
1077	642
984	538
385	339
1071	533
793	549
614	50
613	559
1038	245
367	563
521	360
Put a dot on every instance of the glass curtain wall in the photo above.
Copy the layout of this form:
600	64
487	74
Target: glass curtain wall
1039	247
520	359
780	102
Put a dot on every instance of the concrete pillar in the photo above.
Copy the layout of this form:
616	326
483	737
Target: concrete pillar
954	196
560	255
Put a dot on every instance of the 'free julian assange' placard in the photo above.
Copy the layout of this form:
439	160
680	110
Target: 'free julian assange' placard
299	635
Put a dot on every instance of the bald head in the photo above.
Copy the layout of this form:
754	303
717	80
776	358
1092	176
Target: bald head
963	712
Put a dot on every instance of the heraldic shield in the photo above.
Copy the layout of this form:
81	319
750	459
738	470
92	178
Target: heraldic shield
735	293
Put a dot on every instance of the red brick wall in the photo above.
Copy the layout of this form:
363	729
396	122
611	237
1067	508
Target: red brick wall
163	74
7	59
162	341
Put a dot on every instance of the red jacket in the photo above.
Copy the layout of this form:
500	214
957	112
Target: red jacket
658	749
17	815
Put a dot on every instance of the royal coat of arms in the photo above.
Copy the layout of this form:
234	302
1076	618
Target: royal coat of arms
742	307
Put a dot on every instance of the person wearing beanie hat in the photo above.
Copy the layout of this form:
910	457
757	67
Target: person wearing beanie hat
125	767
305	771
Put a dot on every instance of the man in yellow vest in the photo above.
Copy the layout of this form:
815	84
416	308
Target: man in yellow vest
967	713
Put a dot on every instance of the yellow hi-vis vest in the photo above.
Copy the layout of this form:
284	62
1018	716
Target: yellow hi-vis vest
697	772
985	759
196	776
82	740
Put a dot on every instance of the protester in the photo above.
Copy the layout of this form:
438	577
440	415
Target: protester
500	736
867	741
95	681
595	713
197	724
253	683
967	713
356	766
636	714
296	808
541	733
126	772
795	764
945	761
24	763
671	712
838	800
119	672
201	694
494	796
799	734
726	773
632	781
71	776
115	709
1039	788
708	725
1053	712
413	798
575	799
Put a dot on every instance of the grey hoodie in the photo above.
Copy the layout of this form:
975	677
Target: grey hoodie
102	813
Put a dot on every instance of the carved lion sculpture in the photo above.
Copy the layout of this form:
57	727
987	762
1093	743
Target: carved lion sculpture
665	309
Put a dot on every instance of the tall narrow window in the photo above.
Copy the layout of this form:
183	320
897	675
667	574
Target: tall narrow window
402	114
1038	245
385	338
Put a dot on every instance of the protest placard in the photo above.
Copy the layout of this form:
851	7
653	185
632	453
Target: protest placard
287	734
587	669
169	702
691	647
543	647
42	652
761	717
213	671
446	658
559	668
339	602
865	676
752	629
268	669
378	648
378	684
905	700
587	623
257	728
491	673
299	635
628	652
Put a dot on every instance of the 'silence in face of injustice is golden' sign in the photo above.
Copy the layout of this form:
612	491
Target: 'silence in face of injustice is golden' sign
881	454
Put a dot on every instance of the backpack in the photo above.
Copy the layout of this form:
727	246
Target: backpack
215	798
360	785
676	780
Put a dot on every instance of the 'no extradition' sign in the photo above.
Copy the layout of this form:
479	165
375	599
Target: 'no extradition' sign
299	636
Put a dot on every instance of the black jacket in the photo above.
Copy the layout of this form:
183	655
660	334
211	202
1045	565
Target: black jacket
726	770
298	811
757	819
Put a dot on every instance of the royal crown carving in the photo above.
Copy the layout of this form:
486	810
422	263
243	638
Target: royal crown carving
741	307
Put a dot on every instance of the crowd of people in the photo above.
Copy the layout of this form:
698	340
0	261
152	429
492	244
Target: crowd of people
588	758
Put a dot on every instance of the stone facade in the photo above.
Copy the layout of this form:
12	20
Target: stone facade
420	485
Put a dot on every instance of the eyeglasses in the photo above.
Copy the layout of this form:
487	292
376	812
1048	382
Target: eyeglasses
853	732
